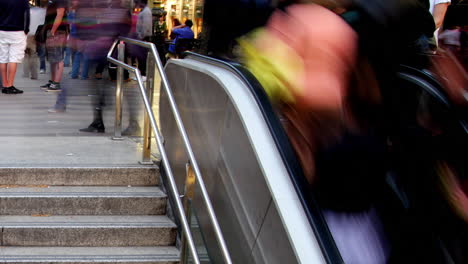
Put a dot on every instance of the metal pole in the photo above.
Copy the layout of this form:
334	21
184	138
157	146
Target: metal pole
119	94
196	169
147	133
190	182
170	175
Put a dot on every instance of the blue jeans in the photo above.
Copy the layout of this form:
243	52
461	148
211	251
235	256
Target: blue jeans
68	56
61	102
42	55
76	64
85	69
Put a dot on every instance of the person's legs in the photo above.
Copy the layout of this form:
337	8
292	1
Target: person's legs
4	54
100	66
85	69
3	69
11	72
33	58
42	56
58	72
67	56
55	50
27	63
53	69
76	65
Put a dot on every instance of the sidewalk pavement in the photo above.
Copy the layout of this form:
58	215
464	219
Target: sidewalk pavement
29	135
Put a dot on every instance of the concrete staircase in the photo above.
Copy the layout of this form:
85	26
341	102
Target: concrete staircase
84	215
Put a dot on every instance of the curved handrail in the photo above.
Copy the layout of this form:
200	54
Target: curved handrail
187	145
311	208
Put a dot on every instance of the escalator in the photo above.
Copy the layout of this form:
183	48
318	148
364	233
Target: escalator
264	207
252	175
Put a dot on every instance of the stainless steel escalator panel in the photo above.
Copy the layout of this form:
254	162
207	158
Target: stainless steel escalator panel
257	207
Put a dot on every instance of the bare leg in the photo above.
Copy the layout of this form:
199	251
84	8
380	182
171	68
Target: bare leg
11	73
52	71
3	69
58	72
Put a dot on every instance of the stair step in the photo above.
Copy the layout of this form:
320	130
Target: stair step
87	231
101	255
92	176
73	200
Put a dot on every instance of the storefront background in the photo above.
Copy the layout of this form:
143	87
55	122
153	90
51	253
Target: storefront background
182	10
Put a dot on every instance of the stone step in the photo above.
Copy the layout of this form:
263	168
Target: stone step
66	200
96	255
87	231
91	176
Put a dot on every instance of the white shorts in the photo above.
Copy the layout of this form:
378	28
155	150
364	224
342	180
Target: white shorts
12	46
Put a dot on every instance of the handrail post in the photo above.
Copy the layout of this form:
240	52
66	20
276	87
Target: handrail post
119	94
190	181
147	133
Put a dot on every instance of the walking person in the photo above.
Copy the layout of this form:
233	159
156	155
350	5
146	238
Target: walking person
77	46
144	31
98	39
56	31
14	25
31	59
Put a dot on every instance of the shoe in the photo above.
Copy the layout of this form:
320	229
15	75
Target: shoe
56	110
98	76
74	77
84	78
95	126
11	90
54	87
47	85
42	71
132	130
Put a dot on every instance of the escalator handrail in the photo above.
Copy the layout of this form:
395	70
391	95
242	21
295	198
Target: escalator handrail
290	160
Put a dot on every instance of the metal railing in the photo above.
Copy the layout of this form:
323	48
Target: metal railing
147	96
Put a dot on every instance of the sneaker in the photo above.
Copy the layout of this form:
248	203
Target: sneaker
47	85
54	87
42	71
11	90
56	110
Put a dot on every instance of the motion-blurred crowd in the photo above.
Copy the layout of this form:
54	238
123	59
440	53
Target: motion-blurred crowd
372	94
78	33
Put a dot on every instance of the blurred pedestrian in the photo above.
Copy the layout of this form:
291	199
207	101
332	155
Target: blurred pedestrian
97	39
14	25
31	60
79	63
144	31
328	68
56	29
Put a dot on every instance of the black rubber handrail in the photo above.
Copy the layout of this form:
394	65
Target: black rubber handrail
289	157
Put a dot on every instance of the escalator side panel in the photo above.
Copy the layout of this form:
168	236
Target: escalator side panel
231	166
